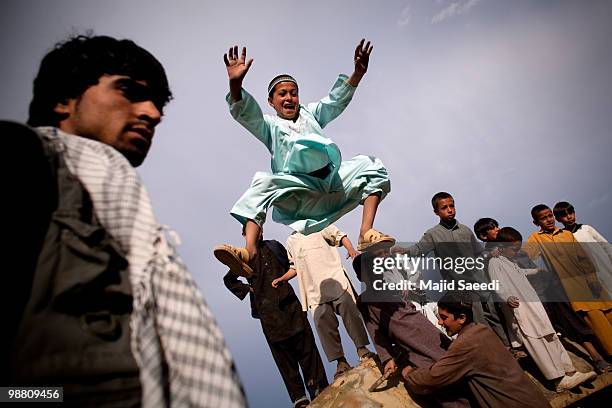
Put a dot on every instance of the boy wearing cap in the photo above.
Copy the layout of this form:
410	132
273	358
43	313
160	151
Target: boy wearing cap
310	186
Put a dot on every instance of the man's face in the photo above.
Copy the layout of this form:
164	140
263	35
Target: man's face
446	209
118	111
285	100
545	220
451	324
568	220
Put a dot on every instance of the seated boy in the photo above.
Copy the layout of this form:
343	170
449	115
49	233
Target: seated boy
310	186
530	322
596	246
326	290
394	323
476	357
450	239
285	325
575	271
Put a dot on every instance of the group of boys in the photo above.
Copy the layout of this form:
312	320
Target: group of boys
494	327
567	297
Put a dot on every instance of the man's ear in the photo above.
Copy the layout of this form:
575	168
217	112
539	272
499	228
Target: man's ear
535	223
270	101
65	107
462	318
436	211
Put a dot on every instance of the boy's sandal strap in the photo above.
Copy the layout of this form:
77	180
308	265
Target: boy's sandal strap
373	237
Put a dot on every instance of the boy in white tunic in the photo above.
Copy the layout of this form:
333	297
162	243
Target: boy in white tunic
596	246
326	291
310	186
531	323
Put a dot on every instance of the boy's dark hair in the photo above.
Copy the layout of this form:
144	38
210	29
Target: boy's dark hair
77	63
439	196
457	303
563	208
509	234
537	209
483	225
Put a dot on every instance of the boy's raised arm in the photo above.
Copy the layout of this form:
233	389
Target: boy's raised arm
237	68
361	59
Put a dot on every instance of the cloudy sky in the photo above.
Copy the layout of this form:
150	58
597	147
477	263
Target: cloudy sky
503	104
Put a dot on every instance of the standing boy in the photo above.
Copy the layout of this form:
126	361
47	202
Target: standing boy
452	240
596	246
326	290
283	321
530	323
575	271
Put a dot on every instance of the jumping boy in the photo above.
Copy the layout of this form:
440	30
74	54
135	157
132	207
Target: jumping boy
310	187
284	323
530	322
326	290
597	247
575	271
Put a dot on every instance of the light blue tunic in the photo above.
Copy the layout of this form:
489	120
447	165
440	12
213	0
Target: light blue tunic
304	202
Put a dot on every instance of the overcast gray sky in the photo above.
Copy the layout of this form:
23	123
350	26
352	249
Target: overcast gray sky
503	104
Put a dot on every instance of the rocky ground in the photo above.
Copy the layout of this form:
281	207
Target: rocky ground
351	389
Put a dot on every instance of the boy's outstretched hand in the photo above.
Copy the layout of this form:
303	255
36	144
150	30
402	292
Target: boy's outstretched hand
362	57
237	67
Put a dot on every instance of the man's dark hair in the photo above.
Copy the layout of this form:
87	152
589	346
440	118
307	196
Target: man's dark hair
537	209
563	208
483	225
457	303
509	234
78	63
439	196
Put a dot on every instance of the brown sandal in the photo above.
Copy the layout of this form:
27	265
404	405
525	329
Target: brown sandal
235	258
373	240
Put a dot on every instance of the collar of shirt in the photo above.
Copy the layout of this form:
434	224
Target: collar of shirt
574	229
450	226
555	232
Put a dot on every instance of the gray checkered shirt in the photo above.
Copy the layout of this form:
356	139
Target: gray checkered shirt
180	351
